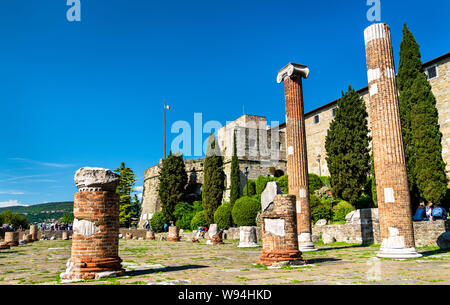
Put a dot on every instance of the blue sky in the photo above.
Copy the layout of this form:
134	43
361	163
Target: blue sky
91	93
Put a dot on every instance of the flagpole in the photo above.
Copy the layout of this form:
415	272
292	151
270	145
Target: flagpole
164	129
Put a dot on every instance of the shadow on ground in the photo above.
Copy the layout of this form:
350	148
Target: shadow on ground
322	260
163	269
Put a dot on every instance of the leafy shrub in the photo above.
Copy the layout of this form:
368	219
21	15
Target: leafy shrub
364	202
314	201
341	210
321	211
245	211
283	181
261	183
199	220
324	193
325	181
257	197
16	220
184	212
251	185
222	216
314	183
157	222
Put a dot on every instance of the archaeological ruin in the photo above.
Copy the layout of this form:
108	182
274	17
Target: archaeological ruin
394	205
95	240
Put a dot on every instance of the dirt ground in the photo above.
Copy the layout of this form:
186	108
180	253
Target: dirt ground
163	262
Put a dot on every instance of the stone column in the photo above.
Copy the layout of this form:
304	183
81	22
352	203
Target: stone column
65	235
34	232
247	237
279	234
173	234
213	229
12	239
396	228
297	162
95	239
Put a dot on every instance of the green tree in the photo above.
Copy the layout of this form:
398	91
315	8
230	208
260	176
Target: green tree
67	218
347	146
135	207
214	180
420	127
124	189
172	182
235	189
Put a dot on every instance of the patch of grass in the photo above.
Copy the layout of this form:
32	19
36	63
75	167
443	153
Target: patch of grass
260	266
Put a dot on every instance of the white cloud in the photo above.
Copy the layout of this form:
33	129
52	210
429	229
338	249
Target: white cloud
11	203
139	189
10	192
58	165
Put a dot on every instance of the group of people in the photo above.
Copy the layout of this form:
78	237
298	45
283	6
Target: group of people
55	226
430	212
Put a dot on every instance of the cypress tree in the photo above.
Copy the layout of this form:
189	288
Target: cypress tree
347	146
124	189
235	176
420	127
172	182
214	180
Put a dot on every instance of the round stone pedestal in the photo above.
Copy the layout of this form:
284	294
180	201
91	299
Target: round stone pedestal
12	239
305	243
34	232
213	229
247	237
65	235
173	234
406	253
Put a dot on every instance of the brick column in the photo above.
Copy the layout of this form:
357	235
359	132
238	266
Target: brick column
173	234
279	234
12	239
34	232
396	228
95	239
297	162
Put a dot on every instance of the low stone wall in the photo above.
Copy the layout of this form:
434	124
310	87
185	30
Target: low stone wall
49	234
426	233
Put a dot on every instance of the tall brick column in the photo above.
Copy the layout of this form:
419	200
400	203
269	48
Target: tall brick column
297	162
34	232
396	228
95	239
279	234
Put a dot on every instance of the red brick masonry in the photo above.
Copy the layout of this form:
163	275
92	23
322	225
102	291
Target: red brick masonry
98	252
281	245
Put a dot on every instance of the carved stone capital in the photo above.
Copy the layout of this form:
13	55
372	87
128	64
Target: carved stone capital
292	70
88	179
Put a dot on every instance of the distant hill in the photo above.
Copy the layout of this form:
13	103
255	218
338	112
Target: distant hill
42	212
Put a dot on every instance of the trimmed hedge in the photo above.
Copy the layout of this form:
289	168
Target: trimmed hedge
261	183
251	188
222	216
245	211
315	183
322	211
283	181
341	210
157	222
199	220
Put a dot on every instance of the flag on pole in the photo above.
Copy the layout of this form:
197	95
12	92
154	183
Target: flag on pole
167	107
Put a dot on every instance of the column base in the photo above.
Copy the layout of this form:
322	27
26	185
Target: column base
248	245
404	253
278	259
173	239
305	243
93	269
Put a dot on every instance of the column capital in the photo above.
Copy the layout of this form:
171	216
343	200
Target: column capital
291	70
96	179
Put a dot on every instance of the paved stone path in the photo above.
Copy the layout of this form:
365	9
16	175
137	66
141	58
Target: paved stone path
162	262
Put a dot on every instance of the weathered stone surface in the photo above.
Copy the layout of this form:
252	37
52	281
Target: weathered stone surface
444	241
321	222
84	227
248	237
96	179
213	229
328	239
363	216
275	226
173	234
268	195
